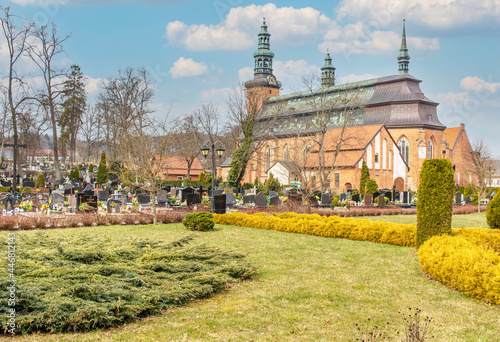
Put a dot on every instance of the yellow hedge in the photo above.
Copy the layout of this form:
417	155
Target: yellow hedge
463	265
331	226
468	261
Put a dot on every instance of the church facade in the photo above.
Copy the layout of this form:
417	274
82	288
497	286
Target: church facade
322	136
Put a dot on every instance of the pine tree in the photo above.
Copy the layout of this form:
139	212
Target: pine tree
365	176
91	168
102	173
40	181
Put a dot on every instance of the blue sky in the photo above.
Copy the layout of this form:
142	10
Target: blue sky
198	50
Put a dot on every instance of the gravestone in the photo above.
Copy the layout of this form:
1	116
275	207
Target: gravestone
275	201
342	197
30	184
248	199
185	191
103	195
162	199
295	198
220	204
57	198
89	199
248	192
7	183
88	187
468	200
368	200
272	193
230	200
26	179
192	199
381	201
405	197
72	201
143	199
113	204
355	198
261	200
458	198
326	200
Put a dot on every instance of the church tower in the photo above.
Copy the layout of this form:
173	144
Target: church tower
264	84
403	58
328	72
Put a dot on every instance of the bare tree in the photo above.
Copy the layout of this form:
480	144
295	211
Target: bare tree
16	39
124	102
188	140
44	50
90	130
483	169
32	124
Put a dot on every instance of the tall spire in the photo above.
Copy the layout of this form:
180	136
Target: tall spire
263	56
403	58
328	72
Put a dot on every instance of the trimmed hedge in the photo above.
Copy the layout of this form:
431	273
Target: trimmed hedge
493	212
464	265
202	222
435	199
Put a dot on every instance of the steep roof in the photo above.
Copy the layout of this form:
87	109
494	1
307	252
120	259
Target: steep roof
377	101
176	165
451	135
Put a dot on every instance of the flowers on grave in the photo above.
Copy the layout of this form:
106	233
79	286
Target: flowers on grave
112	204
26	205
103	206
83	207
37	190
135	206
66	204
184	204
45	208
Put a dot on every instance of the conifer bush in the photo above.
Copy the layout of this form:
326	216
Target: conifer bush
493	212
102	173
365	176
435	199
40	181
199	221
91	168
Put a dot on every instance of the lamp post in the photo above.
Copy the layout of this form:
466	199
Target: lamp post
220	152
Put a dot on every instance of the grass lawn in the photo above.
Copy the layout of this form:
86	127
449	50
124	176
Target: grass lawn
308	289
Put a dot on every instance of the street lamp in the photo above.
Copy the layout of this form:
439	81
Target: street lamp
220	152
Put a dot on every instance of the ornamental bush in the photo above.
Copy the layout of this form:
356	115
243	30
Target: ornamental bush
493	212
435	199
40	181
199	221
91	168
365	176
102	174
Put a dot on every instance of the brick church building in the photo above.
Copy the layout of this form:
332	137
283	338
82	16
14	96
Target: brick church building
322	136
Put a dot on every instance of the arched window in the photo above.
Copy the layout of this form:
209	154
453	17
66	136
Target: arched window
268	159
286	154
404	147
430	150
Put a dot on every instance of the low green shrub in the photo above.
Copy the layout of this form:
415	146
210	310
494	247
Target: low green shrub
82	281
493	212
40	181
199	221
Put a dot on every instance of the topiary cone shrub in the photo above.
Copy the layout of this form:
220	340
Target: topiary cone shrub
435	199
40	181
493	212
102	174
199	221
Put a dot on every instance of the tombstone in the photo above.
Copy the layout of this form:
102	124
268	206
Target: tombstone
272	193
217	192
342	197
381	201
295	198
91	200
229	191
220	204
326	200
261	200
355	198
88	187
275	201
230	200
162	198
405	197
29	184
103	195
72	201
388	195
7	184
143	198
77	189
113	204
458	198
248	199
468	200
192	199
185	191
368	200
57	199
249	192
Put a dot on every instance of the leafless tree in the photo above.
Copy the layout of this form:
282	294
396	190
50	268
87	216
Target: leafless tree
44	50
90	130
32	124
16	38
482	169
124	102
188	140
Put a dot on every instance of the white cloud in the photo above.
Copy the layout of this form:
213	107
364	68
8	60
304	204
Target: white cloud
355	78
291	73
437	14
186	67
478	86
245	74
92	85
216	95
288	26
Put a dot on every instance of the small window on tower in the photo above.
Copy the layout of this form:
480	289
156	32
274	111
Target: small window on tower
376	157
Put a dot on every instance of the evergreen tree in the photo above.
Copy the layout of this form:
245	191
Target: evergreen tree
365	176
371	186
102	173
74	104
271	184
40	181
91	168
